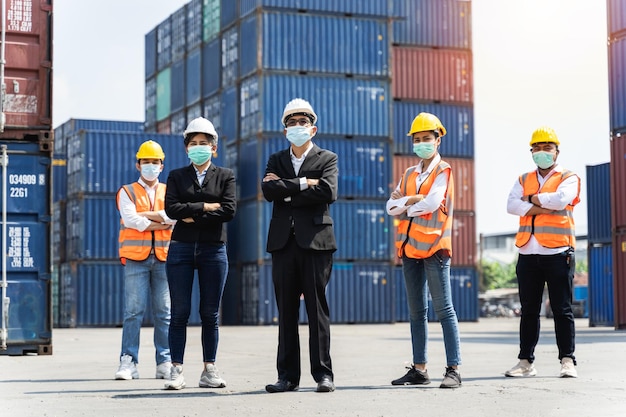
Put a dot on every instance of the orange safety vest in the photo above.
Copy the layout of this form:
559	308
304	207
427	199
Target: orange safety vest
422	236
137	245
553	230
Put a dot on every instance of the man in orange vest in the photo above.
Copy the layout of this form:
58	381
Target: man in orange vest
423	204
545	199
145	232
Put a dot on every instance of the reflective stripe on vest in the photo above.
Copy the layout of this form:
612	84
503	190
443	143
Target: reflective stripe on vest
136	245
421	236
553	230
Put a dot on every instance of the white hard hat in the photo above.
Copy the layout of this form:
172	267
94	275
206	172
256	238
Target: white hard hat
200	125
298	106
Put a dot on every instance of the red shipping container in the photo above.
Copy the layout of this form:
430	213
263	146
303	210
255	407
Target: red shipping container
432	74
462	170
28	70
619	278
618	181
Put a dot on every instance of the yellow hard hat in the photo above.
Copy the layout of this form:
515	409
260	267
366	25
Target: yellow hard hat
426	121
544	134
150	150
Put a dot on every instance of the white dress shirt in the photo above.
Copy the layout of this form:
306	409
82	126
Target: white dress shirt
558	200
128	210
431	202
297	164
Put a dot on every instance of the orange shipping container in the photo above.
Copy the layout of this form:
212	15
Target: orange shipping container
28	70
432	74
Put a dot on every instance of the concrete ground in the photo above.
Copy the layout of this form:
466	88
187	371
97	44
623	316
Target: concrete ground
77	379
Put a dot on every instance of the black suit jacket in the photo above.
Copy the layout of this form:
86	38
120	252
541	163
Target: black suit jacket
185	197
308	210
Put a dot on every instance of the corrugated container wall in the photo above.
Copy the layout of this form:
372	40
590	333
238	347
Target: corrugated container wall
151	53
193	24
618	182
230	57
600	284
616	12
458	120
211	64
210	19
27	102
164	44
274	41
617	85
619	278
432	74
27	251
193	80
344	106
373	8
229	11
599	203
438	23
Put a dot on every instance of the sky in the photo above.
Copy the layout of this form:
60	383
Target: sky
536	62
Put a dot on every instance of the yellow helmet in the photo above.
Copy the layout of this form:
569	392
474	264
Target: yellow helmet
426	121
150	150
544	134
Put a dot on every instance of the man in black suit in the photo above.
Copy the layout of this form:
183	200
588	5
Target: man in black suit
301	181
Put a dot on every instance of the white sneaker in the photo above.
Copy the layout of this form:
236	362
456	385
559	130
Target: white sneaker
177	380
568	369
210	378
163	370
522	369
127	369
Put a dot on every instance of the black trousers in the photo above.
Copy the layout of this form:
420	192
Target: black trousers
297	271
533	273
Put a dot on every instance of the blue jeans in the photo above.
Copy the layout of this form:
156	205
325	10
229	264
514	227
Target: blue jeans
211	262
420	275
145	280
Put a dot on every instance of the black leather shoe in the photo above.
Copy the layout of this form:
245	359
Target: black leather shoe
325	385
281	386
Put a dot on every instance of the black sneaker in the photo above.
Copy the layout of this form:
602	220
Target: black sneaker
413	377
451	379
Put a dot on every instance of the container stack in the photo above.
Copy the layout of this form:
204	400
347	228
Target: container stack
600	254
92	160
432	72
616	10
244	60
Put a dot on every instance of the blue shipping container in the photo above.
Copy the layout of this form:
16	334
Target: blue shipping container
440	23
600	285
91	294
194	24
464	287
27	251
458	121
193	77
151	53
92	227
211	67
364	165
344	106
356	293
179	34
101	162
229	12
229	119
617	85
372	8
230	57
178	85
164	44
363	230
274	41
150	105
59	227
599	203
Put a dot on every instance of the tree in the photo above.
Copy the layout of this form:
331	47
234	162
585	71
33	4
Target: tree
496	275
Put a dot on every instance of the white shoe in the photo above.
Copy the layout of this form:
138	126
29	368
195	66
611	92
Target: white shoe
522	369
127	369
163	370
210	378
176	380
568	369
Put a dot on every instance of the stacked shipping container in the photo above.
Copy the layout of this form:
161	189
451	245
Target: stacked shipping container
26	148
616	10
256	55
92	159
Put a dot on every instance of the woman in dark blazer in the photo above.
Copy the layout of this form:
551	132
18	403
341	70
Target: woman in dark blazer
201	197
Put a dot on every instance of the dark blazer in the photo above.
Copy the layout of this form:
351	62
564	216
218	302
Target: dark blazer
308	211
185	197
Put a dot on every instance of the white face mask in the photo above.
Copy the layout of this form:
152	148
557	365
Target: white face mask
298	135
150	172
